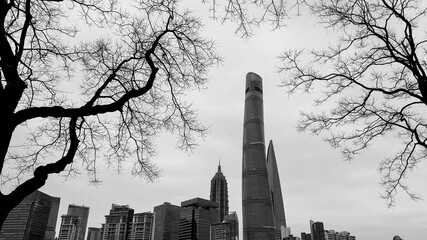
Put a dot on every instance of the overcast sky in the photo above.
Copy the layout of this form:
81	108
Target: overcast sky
316	183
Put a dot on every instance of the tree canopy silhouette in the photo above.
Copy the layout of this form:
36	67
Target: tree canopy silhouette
373	78
82	99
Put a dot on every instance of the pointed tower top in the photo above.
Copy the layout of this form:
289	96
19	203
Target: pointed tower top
219	173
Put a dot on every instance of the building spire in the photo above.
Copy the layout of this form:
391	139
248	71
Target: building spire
219	165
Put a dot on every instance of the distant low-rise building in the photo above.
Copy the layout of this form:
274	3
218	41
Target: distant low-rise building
344	235
291	237
305	236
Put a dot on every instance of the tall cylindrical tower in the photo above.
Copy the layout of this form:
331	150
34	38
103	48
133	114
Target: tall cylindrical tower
258	220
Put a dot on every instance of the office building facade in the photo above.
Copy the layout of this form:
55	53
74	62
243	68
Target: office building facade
197	215
34	218
166	222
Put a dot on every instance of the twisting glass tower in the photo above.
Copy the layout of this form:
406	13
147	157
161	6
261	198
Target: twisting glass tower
262	202
258	219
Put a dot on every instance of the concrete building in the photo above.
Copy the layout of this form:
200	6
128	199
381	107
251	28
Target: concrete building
227	230
197	215
117	224
70	228
220	231
262	203
219	194
142	226
166	222
83	213
93	233
34	218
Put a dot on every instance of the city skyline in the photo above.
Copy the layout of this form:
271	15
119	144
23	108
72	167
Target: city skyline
316	182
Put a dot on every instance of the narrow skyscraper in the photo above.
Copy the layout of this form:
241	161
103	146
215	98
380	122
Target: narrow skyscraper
219	194
83	213
276	193
258	218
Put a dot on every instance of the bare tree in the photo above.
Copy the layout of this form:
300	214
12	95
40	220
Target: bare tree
373	78
250	14
94	99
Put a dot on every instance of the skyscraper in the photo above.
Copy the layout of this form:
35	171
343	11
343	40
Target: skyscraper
258	220
317	230
219	194
260	201
74	212
70	228
53	217
118	223
166	222
276	193
34	218
142	226
196	217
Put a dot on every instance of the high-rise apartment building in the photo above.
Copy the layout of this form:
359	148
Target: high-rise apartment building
142	226
262	203
117	224
93	233
70	228
219	194
34	218
83	213
197	215
166	222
